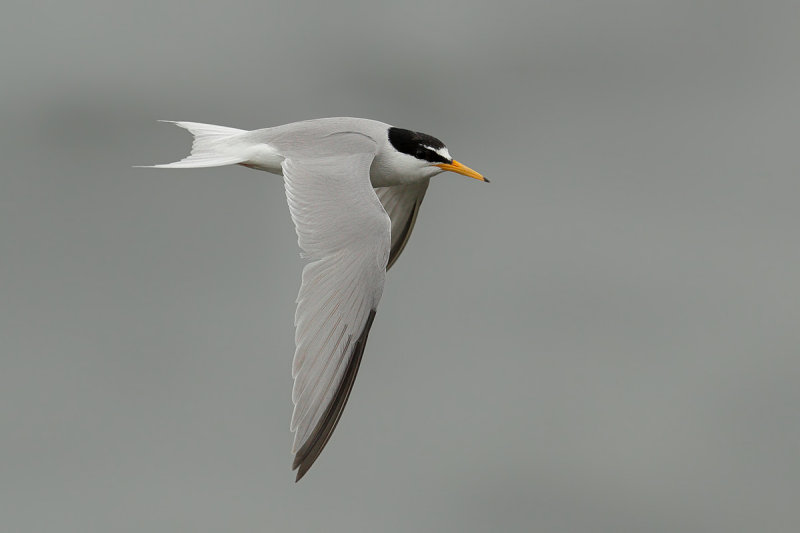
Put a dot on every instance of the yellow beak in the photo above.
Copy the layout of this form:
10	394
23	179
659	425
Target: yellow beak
458	168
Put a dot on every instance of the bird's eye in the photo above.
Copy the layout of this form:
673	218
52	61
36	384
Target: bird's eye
432	155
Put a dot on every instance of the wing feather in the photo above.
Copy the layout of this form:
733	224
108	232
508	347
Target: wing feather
344	230
401	203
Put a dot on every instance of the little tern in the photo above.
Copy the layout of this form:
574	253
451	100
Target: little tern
354	188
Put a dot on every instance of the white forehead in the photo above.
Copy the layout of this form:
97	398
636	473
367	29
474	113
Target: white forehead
441	151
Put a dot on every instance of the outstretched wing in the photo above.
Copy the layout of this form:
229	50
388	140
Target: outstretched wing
342	227
401	203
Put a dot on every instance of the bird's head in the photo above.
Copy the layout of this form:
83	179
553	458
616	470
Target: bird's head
424	156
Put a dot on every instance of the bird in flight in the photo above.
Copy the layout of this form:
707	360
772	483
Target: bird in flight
354	188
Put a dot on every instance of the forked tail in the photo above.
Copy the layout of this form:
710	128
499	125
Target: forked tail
213	146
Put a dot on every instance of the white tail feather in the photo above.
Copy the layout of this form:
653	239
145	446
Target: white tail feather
213	146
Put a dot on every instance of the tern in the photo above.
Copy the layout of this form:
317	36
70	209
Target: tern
354	187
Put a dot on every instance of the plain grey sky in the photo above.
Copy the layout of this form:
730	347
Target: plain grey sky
604	339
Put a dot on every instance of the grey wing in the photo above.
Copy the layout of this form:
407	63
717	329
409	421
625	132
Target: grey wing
342	227
401	203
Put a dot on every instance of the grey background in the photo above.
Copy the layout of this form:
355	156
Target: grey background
603	339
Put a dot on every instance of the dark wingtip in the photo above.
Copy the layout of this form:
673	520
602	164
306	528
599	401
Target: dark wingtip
301	467
309	452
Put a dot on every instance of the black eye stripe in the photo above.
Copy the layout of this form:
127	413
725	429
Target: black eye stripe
430	155
419	145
